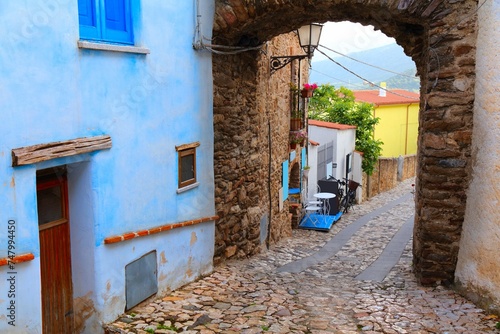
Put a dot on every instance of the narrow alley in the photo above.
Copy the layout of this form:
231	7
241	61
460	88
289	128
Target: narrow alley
355	278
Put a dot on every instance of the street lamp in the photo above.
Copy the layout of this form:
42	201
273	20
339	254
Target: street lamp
308	39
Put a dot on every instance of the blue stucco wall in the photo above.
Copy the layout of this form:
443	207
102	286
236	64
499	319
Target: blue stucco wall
50	90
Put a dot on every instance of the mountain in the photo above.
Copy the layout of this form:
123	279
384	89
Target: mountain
407	81
390	57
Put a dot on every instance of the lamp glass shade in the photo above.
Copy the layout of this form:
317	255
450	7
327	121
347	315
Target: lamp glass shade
309	37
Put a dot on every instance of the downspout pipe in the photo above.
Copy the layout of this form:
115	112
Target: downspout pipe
407	127
269	139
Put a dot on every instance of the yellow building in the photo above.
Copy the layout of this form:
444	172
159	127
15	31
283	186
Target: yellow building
398	125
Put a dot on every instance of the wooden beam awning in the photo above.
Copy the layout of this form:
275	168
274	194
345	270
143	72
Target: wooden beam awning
43	152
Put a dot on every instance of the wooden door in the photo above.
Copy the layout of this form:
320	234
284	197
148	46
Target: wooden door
55	252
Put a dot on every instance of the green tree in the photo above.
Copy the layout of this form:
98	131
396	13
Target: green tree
339	106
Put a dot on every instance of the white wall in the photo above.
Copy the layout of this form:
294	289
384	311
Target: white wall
478	262
312	179
357	174
322	136
343	143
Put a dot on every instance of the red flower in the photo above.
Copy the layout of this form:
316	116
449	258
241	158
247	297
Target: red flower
310	86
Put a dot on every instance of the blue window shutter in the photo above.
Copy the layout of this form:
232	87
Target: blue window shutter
87	19
117	21
115	14
284	168
86	12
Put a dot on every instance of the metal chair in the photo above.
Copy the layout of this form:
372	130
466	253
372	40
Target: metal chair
307	201
311	213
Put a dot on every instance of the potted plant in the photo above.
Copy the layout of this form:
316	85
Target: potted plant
308	90
297	115
305	171
297	137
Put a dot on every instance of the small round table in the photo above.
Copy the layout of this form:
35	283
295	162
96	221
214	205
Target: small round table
324	197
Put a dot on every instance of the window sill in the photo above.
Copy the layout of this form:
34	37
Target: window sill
186	188
112	47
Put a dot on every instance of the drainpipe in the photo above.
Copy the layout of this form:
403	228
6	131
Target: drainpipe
378	161
406	134
269	140
197	33
368	182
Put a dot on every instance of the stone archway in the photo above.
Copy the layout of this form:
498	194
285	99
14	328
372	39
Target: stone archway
438	35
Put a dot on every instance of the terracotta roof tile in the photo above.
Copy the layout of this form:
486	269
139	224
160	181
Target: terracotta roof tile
372	96
331	125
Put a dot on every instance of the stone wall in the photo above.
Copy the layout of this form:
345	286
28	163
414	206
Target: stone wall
251	125
445	130
407	167
388	173
239	163
277	108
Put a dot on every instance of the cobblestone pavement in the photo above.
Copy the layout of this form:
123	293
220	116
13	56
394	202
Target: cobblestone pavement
257	295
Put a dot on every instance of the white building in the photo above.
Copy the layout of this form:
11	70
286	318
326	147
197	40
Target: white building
335	153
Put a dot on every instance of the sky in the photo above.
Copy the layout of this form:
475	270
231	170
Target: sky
346	37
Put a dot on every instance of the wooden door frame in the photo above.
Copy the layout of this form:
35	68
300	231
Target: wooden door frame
47	181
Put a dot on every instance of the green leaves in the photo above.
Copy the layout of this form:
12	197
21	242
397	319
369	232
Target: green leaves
339	106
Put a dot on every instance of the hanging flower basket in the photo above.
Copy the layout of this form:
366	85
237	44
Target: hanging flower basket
306	93
308	90
297	137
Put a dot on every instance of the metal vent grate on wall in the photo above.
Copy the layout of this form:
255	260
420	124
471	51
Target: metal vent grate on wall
140	279
263	229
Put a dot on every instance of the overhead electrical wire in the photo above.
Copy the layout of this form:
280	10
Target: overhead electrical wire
231	50
364	63
359	76
339	80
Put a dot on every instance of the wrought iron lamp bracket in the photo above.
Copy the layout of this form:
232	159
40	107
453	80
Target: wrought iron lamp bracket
280	62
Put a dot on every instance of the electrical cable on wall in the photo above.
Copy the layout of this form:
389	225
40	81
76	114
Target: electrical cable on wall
234	49
459	23
198	44
198	38
226	49
443	35
197	28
